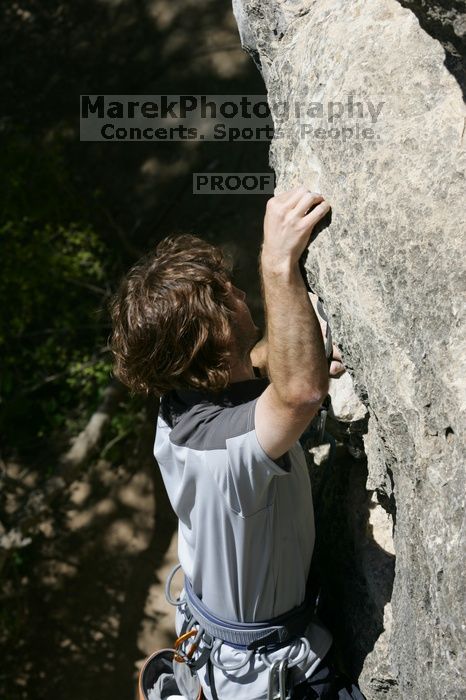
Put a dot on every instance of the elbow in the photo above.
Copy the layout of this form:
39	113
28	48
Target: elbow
307	398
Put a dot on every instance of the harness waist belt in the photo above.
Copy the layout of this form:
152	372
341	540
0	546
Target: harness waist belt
252	635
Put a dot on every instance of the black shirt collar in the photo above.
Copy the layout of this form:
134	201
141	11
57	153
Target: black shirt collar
234	394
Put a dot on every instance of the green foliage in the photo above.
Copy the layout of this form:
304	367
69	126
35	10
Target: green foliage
53	291
46	273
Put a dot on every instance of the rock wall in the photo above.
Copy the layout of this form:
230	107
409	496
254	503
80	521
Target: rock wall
390	269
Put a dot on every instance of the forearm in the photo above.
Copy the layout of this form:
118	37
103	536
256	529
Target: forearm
296	359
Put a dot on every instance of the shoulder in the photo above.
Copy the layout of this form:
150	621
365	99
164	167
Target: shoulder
205	421
208	427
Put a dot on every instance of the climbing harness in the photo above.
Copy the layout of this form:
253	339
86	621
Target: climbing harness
204	632
254	635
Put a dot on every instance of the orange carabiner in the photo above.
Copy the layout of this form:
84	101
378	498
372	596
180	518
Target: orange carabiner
179	642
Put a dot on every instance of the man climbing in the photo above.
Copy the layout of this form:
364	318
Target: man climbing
227	444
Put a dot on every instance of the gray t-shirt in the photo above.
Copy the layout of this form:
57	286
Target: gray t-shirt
246	522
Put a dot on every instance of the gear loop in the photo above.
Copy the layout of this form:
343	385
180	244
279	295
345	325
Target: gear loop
176	603
306	647
234	667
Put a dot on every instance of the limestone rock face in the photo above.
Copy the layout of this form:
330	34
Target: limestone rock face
390	268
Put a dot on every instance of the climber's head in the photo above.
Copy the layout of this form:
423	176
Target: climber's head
178	320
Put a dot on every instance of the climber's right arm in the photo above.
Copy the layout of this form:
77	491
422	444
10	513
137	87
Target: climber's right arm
297	365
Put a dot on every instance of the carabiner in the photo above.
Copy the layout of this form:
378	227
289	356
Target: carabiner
272	671
322	422
282	678
278	668
180	641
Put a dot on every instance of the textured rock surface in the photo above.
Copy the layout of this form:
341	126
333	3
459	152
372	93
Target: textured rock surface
390	269
346	404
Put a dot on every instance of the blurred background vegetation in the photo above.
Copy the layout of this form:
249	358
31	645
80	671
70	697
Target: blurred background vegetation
79	602
56	272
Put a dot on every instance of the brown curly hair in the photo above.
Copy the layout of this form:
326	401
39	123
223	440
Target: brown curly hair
172	319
